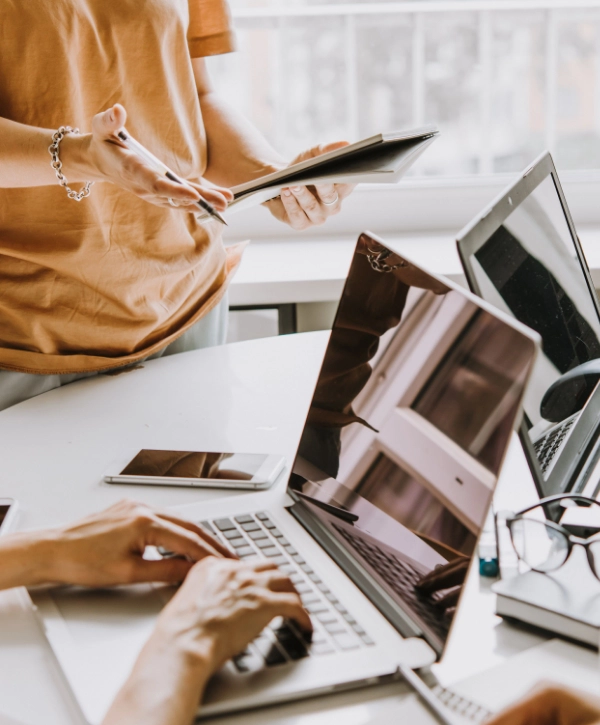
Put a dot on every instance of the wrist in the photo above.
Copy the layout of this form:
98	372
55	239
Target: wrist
27	560
75	155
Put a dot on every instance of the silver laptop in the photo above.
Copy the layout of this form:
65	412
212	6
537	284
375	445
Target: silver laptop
419	391
523	255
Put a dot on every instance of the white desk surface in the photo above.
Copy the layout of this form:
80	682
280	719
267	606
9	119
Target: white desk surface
251	396
314	270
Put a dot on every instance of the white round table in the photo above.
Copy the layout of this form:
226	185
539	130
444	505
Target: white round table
247	397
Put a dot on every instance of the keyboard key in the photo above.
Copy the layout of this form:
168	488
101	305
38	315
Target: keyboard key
231	534
305	567
276	533
244	551
237	543
290	549
278	560
248	662
262	516
245	519
327	616
256	535
206	525
268	524
288	569
321	648
303	588
334	628
264	544
269	551
252	526
283	541
224	524
298	559
270	651
366	639
297	578
311	598
316	608
345	641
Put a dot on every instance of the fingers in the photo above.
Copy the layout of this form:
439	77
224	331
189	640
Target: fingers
179	540
199	531
149	184
110	121
288	606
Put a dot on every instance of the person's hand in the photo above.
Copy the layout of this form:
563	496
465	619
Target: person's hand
449	576
100	156
107	548
306	206
223	605
551	705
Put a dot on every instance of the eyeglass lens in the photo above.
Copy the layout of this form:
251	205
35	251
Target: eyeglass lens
541	547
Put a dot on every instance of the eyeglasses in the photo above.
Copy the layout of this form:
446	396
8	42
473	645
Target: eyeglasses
545	546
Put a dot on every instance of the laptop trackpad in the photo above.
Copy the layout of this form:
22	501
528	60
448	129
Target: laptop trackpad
94	616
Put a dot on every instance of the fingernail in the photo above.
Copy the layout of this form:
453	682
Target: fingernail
287	192
296	188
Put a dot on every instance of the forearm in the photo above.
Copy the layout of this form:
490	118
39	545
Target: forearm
25	560
165	686
237	151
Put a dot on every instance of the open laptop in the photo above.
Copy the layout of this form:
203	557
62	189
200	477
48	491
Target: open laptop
419	391
523	255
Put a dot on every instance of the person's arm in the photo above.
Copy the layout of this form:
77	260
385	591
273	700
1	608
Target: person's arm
106	549
237	152
221	606
552	705
95	156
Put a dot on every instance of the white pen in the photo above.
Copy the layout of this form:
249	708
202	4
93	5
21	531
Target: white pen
158	166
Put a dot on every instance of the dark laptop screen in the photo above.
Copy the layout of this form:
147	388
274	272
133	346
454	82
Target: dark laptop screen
409	423
531	268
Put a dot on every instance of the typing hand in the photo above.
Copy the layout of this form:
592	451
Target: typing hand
107	548
223	605
306	206
551	705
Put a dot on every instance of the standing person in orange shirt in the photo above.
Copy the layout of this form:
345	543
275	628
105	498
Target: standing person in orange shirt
126	272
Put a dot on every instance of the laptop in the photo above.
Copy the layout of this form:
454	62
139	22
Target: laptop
523	255
418	394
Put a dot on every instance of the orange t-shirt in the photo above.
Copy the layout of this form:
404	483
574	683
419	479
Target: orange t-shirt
106	281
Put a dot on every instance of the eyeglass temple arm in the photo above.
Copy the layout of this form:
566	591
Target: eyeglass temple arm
547	500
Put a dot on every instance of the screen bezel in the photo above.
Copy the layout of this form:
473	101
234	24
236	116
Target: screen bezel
568	468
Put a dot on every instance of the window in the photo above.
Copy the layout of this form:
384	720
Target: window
502	84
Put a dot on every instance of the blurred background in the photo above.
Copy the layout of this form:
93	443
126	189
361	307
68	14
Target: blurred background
503	79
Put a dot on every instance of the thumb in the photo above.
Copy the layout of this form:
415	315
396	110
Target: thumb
323	148
110	121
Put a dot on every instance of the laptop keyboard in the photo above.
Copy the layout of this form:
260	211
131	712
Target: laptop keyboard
402	578
547	447
255	536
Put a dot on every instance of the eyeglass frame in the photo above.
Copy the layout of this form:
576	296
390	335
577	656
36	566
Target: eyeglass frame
571	539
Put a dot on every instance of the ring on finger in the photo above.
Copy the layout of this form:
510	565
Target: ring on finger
331	203
172	203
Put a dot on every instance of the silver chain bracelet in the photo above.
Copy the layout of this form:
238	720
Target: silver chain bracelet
56	164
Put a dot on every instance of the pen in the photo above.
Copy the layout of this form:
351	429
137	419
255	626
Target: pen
158	166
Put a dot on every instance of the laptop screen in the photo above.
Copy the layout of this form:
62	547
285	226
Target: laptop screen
408	426
531	267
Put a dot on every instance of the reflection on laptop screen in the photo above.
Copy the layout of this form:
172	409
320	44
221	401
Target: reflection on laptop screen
530	268
411	417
